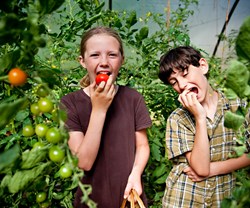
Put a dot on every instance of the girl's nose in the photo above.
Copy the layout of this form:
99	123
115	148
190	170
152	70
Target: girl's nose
104	60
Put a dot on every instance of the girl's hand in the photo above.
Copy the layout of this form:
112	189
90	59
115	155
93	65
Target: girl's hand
134	182
103	94
193	175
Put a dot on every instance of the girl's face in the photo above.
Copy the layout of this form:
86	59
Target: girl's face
102	55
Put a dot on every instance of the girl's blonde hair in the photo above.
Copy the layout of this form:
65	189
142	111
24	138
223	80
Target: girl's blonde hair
85	81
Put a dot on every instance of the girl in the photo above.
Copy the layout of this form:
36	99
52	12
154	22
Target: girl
107	124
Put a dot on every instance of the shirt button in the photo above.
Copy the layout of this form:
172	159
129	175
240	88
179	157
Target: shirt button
208	185
234	138
213	149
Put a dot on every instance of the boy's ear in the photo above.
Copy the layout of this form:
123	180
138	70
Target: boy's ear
204	65
82	62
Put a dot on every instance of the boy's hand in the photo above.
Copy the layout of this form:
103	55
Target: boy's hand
189	101
193	175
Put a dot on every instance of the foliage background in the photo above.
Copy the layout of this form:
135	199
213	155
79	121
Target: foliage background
42	37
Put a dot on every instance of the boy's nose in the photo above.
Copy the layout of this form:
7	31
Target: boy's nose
182	84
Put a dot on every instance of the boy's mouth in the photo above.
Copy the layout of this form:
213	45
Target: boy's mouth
194	90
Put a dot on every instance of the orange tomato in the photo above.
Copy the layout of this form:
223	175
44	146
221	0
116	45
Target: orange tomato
17	77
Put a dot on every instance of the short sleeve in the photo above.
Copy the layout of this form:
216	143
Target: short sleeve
179	136
142	116
72	123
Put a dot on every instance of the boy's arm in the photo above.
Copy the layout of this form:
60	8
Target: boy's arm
228	166
220	167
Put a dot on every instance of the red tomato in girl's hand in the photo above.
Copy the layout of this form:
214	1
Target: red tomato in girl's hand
101	77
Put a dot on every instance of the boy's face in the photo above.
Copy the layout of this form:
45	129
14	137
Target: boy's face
191	80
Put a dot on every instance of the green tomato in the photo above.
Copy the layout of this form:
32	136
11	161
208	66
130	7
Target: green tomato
34	108
65	171
42	91
45	204
56	154
41	130
45	105
53	135
41	197
38	145
28	131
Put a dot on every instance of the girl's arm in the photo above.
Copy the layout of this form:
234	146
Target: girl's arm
86	147
141	159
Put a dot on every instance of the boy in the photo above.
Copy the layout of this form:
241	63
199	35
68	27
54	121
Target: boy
196	140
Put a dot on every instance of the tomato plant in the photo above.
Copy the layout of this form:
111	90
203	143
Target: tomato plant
45	105
28	131
17	77
56	154
53	135
101	78
41	197
41	129
65	171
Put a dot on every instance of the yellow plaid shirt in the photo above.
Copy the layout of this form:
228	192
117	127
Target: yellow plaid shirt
180	191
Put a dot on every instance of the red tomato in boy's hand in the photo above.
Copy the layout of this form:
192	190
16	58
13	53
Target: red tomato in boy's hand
101	77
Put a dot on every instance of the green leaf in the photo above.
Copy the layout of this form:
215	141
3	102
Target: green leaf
243	39
131	19
233	120
22	179
9	110
159	171
48	6
9	156
31	158
155	151
8	60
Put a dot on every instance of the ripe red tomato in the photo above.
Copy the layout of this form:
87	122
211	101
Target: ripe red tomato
53	135
17	77
40	197
65	171
45	105
41	129
56	154
28	131
101	77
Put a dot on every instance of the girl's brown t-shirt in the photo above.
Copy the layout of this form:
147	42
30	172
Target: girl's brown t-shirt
126	115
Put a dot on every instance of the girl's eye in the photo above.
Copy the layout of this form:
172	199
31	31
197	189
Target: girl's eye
94	55
113	55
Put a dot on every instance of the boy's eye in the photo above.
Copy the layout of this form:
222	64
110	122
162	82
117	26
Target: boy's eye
172	83
185	72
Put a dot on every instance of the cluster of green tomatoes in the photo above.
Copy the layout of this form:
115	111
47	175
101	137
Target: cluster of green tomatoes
49	135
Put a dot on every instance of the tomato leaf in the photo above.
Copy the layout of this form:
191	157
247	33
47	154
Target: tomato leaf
22	179
9	110
31	158
8	157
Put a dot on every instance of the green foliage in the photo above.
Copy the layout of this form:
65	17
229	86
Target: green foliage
26	27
